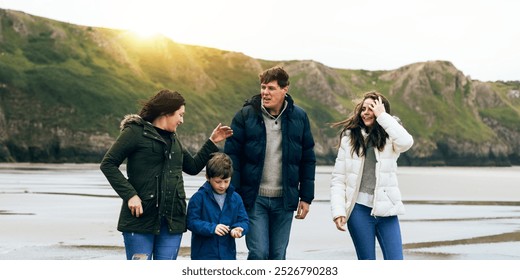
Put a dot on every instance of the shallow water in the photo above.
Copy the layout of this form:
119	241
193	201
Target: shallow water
68	211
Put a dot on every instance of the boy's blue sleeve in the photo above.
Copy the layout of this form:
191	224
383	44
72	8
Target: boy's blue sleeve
194	219
242	218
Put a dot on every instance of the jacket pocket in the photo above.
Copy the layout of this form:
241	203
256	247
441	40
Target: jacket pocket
180	205
148	204
393	195
180	199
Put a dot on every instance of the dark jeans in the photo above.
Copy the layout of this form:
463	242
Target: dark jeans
364	229
269	229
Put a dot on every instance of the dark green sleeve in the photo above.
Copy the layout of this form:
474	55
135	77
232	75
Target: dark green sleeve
124	146
194	164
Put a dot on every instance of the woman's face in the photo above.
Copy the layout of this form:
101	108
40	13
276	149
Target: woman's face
367	115
175	119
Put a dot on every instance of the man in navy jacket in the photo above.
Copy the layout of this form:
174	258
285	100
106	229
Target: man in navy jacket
272	149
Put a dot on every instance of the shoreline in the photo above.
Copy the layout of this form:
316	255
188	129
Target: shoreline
61	213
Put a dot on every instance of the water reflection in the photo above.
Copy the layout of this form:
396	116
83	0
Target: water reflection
54	211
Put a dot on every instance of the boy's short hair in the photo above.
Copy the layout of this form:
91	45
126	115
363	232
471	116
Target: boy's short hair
219	166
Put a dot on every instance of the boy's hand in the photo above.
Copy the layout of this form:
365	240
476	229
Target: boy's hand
221	230
237	232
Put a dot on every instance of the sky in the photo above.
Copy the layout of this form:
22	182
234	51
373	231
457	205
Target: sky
480	37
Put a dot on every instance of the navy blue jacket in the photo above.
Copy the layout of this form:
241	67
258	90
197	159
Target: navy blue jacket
247	150
204	215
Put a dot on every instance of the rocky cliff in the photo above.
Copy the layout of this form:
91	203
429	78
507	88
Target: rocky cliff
64	88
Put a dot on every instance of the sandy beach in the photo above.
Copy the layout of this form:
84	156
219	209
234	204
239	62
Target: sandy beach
69	212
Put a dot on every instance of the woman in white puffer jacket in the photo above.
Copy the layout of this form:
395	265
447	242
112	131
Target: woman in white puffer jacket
364	190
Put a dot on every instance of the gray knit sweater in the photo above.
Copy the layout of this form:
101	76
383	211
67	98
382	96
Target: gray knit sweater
271	184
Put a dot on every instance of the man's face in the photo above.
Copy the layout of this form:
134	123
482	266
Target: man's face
273	96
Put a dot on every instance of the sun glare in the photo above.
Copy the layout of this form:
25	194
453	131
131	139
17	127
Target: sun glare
143	22
144	32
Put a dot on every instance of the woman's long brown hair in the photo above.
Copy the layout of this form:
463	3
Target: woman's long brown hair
162	103
376	135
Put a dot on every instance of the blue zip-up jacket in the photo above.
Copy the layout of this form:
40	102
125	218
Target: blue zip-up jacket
247	150
204	215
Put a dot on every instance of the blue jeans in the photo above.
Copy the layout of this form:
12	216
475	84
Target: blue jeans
364	229
164	246
269	229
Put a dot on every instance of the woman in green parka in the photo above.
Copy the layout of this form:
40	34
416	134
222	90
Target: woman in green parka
153	213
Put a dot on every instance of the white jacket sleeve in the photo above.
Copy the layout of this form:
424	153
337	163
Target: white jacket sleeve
338	182
401	139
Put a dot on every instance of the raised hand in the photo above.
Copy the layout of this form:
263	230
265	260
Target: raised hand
220	133
378	107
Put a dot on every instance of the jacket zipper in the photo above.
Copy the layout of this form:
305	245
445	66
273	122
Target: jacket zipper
157	190
356	190
377	155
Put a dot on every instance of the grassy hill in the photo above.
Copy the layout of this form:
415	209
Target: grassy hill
64	89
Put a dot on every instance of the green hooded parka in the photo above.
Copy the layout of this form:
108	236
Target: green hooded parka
153	173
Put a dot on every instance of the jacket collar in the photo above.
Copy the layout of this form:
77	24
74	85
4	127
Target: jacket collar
256	102
264	110
147	126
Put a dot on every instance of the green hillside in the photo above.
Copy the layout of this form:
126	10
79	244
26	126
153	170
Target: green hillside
64	89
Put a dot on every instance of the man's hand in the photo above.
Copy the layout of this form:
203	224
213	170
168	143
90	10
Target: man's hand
303	209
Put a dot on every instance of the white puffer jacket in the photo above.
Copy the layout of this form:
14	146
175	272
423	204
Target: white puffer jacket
346	176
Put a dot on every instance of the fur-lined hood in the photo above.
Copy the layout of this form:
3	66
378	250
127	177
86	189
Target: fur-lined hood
131	118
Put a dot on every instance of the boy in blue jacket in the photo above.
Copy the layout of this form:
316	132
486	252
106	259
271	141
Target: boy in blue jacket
216	213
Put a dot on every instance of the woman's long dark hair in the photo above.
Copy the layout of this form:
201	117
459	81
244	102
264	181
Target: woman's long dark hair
162	103
376	135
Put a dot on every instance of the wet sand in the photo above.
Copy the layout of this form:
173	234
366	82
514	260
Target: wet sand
69	212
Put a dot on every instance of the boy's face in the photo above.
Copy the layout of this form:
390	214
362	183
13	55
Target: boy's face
219	185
